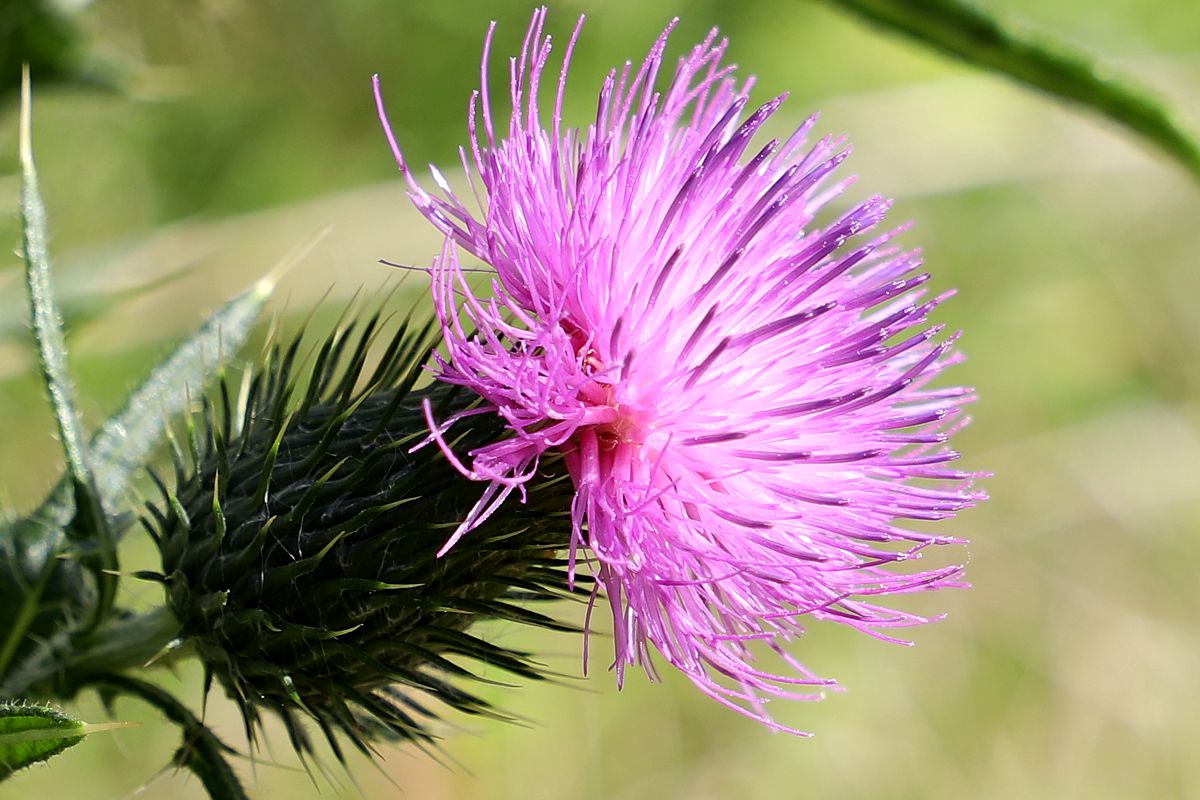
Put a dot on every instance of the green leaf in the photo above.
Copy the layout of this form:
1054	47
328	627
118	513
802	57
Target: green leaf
44	314
122	444
99	472
29	734
89	523
973	34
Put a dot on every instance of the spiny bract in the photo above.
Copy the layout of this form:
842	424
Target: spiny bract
299	546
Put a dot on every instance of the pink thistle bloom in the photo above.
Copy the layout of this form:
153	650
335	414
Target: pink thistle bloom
742	396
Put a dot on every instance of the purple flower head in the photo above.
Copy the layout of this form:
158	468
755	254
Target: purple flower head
742	395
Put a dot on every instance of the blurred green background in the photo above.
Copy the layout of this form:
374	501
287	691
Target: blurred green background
185	147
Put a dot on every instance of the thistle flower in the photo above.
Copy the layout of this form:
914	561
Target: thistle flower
742	395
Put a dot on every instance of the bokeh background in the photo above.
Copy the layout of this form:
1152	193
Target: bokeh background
187	146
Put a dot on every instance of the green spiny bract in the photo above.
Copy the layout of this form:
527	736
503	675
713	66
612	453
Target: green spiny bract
299	545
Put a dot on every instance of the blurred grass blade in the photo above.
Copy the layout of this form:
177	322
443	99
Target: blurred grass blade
31	734
973	34
50	37
82	300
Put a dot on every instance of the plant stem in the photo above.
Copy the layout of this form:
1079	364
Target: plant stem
974	33
66	662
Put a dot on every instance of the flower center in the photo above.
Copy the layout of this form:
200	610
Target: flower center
612	423
625	429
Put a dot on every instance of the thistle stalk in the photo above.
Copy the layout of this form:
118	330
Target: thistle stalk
65	662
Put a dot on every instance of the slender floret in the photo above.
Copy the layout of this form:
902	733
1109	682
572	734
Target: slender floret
744	396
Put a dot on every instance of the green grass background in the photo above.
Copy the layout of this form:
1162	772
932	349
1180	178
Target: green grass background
1067	671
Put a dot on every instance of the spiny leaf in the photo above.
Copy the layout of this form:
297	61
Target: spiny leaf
121	445
973	34
30	734
44	315
43	590
89	523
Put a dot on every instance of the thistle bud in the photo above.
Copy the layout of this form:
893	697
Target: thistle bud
300	544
